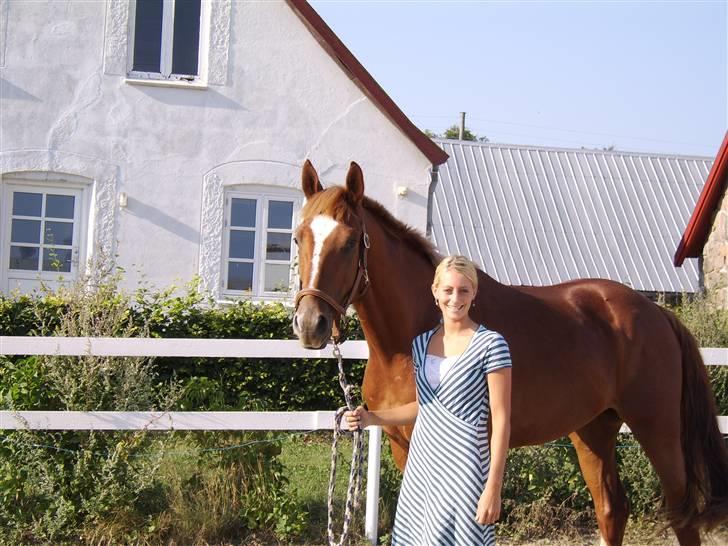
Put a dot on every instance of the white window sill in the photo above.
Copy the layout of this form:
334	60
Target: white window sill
231	299
179	84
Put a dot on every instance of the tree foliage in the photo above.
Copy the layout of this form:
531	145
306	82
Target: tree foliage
453	133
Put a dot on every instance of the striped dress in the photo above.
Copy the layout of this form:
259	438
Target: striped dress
449	455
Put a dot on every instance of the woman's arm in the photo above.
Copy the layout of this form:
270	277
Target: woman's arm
499	387
401	415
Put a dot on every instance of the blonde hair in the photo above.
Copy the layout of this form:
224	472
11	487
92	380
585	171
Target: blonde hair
460	264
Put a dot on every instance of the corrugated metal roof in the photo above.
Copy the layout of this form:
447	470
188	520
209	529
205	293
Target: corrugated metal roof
536	216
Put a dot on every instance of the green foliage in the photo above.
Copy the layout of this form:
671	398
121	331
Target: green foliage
706	322
709	325
55	486
390	480
453	133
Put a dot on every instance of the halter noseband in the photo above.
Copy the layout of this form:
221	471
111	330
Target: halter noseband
361	274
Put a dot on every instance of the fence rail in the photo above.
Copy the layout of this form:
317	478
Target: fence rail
218	420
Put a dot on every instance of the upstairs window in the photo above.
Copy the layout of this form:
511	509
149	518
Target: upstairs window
166	39
258	250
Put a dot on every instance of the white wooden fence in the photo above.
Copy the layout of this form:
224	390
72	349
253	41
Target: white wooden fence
218	420
190	420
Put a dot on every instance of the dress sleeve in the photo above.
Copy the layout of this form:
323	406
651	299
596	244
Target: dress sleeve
415	359
497	355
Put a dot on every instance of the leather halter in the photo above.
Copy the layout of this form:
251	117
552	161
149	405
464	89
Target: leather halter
355	292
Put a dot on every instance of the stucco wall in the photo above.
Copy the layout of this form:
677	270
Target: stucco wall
274	97
715	255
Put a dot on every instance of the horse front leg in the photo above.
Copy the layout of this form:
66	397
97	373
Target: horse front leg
595	446
399	443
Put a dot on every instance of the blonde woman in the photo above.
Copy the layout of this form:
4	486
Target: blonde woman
451	490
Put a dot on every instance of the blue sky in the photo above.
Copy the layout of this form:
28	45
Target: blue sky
644	76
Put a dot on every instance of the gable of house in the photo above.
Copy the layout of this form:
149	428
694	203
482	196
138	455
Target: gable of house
706	233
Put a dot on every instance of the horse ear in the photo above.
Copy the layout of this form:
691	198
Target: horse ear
355	183
310	183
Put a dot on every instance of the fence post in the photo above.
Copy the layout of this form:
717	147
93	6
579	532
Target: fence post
373	464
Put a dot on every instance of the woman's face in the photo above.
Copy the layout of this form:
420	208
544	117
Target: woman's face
454	295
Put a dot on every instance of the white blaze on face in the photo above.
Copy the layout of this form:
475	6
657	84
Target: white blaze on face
321	226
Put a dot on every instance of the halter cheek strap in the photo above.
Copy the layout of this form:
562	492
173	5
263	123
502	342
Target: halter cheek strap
362	274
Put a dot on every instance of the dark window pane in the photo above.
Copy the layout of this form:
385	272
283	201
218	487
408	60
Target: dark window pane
242	244
280	214
24	257
58	233
59	206
57	259
278	246
186	40
147	35
276	278
25	231
243	213
27	204
240	276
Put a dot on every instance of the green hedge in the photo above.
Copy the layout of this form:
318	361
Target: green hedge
208	384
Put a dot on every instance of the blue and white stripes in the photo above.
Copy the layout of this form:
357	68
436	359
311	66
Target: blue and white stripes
449	457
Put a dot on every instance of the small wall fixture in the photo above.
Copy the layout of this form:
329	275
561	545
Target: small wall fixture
123	200
402	190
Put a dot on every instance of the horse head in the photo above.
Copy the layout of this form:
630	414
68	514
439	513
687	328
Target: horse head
332	249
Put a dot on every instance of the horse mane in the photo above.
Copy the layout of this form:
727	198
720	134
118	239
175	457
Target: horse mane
402	231
334	202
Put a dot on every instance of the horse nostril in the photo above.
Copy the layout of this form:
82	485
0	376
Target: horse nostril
295	322
321	324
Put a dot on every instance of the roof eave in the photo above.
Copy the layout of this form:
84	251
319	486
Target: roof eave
696	233
359	75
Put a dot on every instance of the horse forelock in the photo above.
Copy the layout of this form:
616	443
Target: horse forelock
330	202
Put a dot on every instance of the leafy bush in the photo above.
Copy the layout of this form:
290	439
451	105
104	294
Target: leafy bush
709	325
107	486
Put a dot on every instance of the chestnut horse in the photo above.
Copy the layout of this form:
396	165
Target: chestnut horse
588	355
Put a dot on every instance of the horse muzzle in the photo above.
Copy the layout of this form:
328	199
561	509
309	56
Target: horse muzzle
312	323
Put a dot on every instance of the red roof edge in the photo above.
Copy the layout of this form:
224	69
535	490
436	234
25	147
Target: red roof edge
359	75
696	234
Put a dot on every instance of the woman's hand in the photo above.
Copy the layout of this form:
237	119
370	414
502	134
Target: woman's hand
489	506
356	419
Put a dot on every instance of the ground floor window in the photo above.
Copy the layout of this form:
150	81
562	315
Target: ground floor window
257	244
41	232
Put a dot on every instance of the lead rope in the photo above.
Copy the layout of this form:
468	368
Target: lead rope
355	474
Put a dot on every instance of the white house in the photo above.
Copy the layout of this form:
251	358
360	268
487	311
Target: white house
169	134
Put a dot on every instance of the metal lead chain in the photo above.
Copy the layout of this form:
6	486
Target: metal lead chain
355	474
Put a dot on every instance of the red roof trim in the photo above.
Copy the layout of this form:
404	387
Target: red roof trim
696	234
359	75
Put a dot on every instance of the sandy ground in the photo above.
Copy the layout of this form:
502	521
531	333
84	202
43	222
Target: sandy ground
712	540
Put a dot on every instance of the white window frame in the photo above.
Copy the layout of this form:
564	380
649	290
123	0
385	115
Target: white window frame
44	183
262	197
165	75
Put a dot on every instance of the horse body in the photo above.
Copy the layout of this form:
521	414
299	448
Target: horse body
587	355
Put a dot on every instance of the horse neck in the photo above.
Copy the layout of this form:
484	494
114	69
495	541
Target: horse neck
398	304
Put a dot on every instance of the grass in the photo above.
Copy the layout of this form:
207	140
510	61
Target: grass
202	500
307	461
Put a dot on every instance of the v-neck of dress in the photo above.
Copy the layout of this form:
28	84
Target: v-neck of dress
454	365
